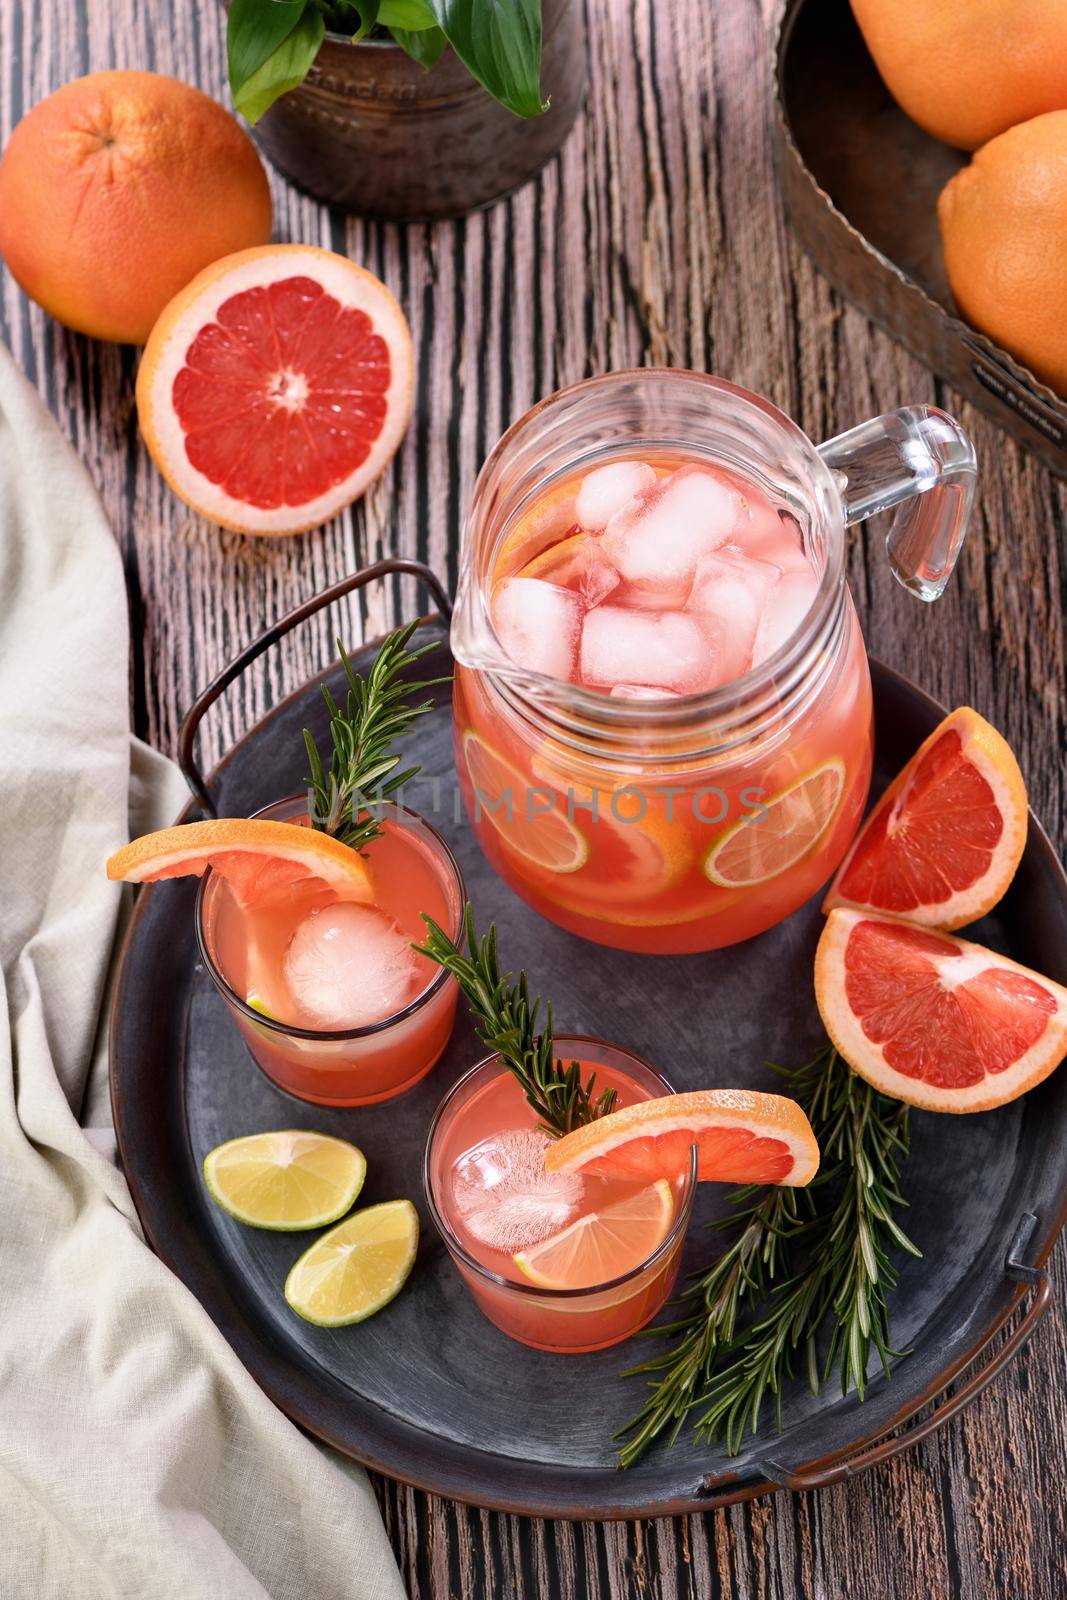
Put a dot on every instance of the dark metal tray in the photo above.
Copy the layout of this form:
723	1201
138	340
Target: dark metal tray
861	182
428	1391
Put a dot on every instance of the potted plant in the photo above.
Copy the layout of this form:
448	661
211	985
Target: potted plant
407	109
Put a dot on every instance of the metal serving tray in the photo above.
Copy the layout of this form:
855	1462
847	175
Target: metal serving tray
428	1391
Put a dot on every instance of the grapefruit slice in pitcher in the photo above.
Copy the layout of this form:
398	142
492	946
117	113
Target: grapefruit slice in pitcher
932	1019
943	843
546	838
256	857
276	387
741	1135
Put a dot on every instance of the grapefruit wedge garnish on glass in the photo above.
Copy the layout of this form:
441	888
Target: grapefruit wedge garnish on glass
258	858
943	843
741	1135
932	1019
275	387
604	1245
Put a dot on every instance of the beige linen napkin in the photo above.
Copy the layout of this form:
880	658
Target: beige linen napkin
137	1457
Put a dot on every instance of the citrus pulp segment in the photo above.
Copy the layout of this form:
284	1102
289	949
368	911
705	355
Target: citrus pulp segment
603	1245
275	387
932	1019
945	840
756	847
356	1268
257	858
741	1135
287	1181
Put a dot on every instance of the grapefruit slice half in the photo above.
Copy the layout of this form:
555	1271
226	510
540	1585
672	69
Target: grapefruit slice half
935	1020
943	843
741	1136
255	856
275	387
603	1245
503	795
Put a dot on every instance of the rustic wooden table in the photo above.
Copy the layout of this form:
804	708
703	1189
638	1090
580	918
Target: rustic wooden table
657	237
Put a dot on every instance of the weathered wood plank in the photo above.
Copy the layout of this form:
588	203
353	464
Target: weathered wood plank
656	236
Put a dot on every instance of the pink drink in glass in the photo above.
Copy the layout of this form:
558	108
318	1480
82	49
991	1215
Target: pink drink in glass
493	1203
332	1001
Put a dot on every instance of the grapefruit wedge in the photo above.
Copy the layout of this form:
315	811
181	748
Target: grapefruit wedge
256	857
932	1019
741	1136
275	387
943	843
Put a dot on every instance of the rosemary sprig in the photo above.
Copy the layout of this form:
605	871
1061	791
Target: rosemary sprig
803	1259
363	766
506	1021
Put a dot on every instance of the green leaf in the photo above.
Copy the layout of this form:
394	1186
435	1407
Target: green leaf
254	30
425	45
355	18
499	42
409	15
286	67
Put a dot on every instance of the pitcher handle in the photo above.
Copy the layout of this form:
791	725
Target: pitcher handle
920	459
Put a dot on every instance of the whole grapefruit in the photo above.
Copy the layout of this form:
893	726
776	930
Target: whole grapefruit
967	72
1004	233
116	190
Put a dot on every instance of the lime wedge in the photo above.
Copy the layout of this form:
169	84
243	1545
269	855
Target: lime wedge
287	1181
257	1004
356	1268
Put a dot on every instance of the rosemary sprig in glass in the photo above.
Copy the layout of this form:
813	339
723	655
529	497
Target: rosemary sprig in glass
507	1023
802	1259
363	766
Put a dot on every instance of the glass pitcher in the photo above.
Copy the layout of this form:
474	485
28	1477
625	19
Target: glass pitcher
686	822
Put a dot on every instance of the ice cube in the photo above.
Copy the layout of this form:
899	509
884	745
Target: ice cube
667	647
598	577
772	535
538	624
729	584
504	1196
728	595
638	599
658	539
606	490
787	605
349	965
578	563
641	691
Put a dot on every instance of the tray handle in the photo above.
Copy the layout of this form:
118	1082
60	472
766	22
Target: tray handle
194	716
816	1477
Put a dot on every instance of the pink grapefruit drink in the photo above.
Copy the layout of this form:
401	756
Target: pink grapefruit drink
332	1001
563	1262
660	812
